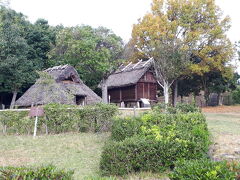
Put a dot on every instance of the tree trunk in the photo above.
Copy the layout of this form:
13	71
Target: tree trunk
175	93
13	99
104	92
220	99
181	98
206	96
166	92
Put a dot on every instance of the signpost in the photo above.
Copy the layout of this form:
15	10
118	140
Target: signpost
36	112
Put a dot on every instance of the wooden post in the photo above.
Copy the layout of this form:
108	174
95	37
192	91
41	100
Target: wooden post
4	125
134	111
35	125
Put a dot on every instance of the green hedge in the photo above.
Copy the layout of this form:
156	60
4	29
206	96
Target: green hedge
16	122
180	108
154	142
126	127
43	173
61	118
133	155
205	169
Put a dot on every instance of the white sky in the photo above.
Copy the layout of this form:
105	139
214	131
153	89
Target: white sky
117	15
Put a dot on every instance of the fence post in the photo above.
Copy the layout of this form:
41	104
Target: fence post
4	124
134	111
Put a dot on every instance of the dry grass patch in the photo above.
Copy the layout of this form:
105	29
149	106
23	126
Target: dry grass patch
221	109
225	129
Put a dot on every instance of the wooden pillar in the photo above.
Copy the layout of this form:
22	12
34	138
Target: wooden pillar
149	91
120	94
143	90
136	93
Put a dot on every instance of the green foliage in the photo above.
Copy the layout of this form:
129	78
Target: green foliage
44	173
61	118
154	142
132	155
16	122
125	127
92	51
236	96
65	118
205	169
23	50
181	43
99	178
15	67
180	108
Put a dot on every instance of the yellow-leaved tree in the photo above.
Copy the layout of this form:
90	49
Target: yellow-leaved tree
183	37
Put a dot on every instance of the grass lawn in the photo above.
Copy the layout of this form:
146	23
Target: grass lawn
225	128
225	123
81	152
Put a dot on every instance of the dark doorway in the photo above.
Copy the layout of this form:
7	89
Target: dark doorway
80	100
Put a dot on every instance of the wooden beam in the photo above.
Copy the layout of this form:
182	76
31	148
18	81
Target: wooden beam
137	64
126	66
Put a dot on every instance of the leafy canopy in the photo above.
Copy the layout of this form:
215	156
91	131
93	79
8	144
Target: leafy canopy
91	51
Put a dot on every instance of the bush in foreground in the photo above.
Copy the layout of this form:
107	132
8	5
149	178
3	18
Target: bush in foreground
205	169
154	142
126	127
180	108
43	173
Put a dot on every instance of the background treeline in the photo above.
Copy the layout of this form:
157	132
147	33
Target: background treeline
27	47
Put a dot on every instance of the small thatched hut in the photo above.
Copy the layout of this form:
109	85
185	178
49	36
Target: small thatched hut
132	84
60	84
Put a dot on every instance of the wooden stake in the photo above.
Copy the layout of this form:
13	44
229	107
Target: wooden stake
35	125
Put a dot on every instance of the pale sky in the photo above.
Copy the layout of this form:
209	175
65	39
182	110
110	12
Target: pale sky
117	15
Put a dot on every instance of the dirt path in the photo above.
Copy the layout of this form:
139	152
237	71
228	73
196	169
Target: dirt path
221	109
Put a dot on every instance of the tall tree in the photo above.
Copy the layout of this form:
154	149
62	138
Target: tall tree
177	31
15	68
93	52
41	38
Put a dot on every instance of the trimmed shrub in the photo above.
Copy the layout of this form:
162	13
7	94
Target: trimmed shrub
126	127
16	122
132	155
65	118
44	173
61	118
180	108
205	169
155	144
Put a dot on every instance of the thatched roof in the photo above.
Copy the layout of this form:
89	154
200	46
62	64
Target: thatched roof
62	88
128	75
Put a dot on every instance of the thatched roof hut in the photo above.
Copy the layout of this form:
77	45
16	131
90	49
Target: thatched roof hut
128	75
132	84
60	84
